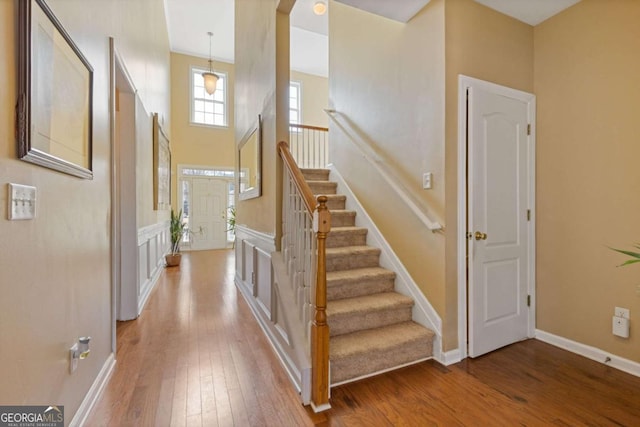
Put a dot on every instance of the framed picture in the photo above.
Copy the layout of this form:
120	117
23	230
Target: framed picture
55	98
250	163
161	168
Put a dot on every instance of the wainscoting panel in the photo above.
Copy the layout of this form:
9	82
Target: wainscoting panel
153	244
261	278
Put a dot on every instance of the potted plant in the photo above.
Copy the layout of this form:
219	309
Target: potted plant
177	230
231	222
635	256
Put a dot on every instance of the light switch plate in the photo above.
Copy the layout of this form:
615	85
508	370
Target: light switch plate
426	180
21	202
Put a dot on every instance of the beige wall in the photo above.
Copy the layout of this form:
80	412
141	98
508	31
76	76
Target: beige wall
586	81
387	85
261	55
55	270
315	98
486	45
195	144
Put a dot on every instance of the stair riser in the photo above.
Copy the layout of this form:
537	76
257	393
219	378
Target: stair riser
360	365
336	203
338	240
347	219
312	175
348	323
367	287
322	187
348	262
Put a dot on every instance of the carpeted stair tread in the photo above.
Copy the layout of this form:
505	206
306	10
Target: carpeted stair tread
342	218
367	312
315	174
336	201
366	352
347	236
322	187
367	303
358	282
348	257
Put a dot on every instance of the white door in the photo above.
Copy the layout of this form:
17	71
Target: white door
499	182
207	216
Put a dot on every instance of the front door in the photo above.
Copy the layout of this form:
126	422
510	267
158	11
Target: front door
208	212
498	230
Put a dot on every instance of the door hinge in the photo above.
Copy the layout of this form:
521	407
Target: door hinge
528	300
528	129
528	214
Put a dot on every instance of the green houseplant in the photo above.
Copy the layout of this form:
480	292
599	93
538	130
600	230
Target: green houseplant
177	230
231	222
635	256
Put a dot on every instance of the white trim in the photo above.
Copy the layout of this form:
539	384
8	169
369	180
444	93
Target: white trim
593	353
154	239
464	83
265	237
95	391
297	83
422	312
118	72
450	357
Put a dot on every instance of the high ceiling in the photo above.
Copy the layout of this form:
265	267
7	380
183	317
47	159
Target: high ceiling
190	20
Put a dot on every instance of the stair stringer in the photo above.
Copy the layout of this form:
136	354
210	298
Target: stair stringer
423	312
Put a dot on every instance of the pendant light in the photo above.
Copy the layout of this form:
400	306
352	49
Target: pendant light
210	78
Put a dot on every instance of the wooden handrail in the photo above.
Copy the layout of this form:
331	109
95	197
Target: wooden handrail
296	175
321	222
309	127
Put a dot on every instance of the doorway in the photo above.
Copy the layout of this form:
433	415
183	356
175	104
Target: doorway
206	197
124	256
496	216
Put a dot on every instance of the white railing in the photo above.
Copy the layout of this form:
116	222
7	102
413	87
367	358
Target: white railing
299	249
309	146
306	223
390	177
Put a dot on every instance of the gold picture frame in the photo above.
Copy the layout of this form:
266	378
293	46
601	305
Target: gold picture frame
55	99
161	168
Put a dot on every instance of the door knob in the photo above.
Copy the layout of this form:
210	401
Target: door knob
481	236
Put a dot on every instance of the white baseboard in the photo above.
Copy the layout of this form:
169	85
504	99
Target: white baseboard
593	353
450	357
94	393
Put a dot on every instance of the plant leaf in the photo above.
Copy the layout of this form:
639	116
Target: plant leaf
629	253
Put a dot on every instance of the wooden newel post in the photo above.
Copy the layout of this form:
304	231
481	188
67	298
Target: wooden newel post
320	329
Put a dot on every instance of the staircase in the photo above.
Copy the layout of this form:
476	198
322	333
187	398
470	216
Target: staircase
370	324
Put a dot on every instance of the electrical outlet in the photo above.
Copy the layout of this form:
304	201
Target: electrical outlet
426	180
621	312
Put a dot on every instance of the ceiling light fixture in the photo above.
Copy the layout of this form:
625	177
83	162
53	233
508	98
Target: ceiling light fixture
210	78
319	8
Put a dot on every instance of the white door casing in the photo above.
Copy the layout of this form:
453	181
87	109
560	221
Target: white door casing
499	222
208	213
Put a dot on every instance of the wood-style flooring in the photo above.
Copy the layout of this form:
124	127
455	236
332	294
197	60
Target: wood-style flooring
197	357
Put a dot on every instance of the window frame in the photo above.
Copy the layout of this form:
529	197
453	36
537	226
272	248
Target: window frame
196	69
298	84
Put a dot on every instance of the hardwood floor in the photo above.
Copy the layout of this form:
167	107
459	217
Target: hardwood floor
196	357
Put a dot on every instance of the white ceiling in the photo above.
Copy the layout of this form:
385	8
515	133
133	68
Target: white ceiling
190	20
532	12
